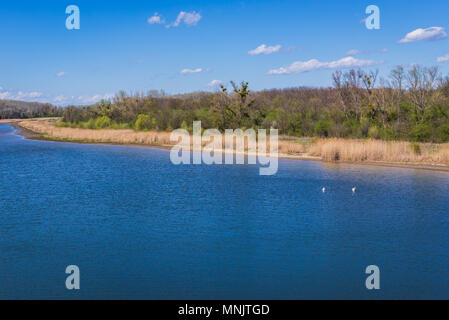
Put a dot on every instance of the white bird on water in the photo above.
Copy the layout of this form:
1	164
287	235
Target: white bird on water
354	190
324	190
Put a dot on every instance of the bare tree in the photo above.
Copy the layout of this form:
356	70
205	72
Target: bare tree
397	76
422	83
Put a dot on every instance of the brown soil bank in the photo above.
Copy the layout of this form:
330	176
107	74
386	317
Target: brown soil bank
373	152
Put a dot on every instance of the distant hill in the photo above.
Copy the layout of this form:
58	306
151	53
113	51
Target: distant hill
12	109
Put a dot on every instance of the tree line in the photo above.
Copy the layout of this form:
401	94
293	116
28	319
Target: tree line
12	109
408	104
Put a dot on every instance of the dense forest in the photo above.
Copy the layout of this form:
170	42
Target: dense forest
11	109
409	104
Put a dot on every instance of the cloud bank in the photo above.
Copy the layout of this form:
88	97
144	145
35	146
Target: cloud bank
443	58
353	52
214	83
429	34
314	64
156	19
190	71
188	18
20	95
264	49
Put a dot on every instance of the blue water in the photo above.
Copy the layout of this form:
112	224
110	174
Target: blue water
139	227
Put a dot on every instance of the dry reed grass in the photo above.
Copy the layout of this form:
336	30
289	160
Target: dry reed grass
326	149
20	120
124	136
127	136
376	150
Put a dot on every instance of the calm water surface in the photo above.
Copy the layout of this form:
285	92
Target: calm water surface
140	227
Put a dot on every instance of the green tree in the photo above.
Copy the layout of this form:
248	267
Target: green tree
322	128
103	122
421	132
145	122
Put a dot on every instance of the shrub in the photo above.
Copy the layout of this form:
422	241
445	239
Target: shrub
322	128
421	132
185	126
102	122
365	128
443	133
373	132
416	149
387	134
145	122
119	125
90	124
63	124
351	128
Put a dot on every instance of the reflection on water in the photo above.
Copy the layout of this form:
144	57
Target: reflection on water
140	227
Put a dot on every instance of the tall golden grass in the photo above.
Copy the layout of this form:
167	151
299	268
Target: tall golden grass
376	150
125	136
20	120
349	150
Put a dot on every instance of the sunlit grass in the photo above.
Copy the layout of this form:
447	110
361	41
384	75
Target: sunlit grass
376	150
350	150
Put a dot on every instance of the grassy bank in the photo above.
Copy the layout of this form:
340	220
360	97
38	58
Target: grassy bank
331	150
126	136
377	150
20	120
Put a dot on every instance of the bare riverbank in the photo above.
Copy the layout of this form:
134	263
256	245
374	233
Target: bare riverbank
370	152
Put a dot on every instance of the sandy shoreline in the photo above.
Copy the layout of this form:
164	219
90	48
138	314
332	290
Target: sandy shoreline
29	134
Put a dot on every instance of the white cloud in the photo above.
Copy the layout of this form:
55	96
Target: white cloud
263	49
28	95
20	95
189	18
61	74
59	99
215	83
353	52
5	95
34	94
90	99
156	19
443	58
433	33
94	98
314	64
189	71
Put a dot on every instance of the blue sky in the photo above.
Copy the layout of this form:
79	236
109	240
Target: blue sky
117	48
